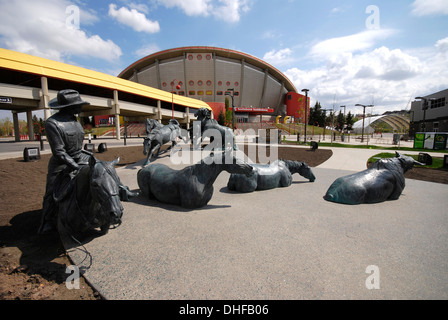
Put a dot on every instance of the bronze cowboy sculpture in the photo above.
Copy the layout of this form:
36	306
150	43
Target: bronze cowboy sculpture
65	136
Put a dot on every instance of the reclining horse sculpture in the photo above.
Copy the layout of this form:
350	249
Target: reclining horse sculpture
207	123
384	180
191	187
158	135
264	177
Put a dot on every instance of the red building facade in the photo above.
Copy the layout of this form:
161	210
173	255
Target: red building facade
295	106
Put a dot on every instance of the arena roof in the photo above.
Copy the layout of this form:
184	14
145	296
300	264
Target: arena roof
226	53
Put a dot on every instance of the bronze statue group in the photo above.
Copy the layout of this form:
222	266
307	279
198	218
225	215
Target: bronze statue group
84	194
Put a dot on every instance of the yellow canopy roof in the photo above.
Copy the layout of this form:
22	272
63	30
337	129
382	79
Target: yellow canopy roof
49	68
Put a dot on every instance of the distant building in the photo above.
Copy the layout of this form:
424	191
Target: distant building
295	107
430	114
397	120
213	74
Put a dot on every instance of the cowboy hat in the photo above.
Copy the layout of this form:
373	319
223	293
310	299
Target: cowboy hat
67	98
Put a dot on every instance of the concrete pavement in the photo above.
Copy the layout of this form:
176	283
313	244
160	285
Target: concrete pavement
10	149
286	243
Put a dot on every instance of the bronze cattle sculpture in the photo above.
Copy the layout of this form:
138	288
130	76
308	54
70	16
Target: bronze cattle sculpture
384	180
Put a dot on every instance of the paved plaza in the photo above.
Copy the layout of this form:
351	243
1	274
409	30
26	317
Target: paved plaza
285	243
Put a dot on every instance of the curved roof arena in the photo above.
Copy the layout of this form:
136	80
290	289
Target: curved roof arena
396	121
207	73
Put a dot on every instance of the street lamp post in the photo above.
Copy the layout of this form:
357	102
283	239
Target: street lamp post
344	118
325	124
172	94
233	107
363	117
424	108
332	123
411	125
306	109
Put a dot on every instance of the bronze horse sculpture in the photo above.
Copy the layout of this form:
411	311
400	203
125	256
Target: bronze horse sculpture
205	125
91	199
158	135
384	180
191	187
152	124
270	176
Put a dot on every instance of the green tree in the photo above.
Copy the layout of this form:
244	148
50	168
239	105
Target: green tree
340	121
317	115
6	125
330	119
221	118
349	120
42	126
23	127
228	113
38	125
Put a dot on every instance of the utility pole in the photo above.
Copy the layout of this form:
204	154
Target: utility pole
306	109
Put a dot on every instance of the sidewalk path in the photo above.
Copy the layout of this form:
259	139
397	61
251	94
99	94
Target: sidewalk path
285	243
354	159
10	149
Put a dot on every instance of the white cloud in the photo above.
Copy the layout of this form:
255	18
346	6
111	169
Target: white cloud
231	10
147	50
334	48
141	7
226	10
388	78
42	28
430	7
278	58
337	10
190	7
442	46
270	35
134	19
387	64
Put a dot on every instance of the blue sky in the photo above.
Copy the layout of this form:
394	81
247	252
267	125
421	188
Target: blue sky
346	52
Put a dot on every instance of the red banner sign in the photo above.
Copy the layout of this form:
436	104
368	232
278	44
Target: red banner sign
258	110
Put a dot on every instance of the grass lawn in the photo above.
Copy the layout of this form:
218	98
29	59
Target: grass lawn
437	163
343	145
99	131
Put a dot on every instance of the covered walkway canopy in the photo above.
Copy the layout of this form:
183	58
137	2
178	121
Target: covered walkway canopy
28	83
396	121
